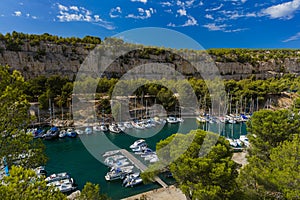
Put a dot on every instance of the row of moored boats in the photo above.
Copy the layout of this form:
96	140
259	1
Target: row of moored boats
60	181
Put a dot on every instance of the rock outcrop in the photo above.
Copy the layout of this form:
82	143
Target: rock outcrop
48	58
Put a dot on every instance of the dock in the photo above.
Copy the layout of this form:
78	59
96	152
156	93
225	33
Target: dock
138	164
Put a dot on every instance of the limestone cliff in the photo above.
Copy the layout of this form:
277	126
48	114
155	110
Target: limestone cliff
49	58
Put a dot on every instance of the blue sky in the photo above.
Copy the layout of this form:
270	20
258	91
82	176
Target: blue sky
213	24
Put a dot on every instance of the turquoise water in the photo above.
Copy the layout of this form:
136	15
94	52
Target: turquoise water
80	156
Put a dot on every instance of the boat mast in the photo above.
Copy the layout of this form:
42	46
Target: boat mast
50	111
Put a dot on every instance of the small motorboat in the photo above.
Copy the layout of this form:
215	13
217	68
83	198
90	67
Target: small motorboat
129	177
137	143
71	133
88	130
62	134
134	181
57	177
110	153
114	128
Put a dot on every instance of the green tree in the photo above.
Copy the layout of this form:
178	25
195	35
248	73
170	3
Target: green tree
276	179
17	146
200	176
25	184
91	192
269	129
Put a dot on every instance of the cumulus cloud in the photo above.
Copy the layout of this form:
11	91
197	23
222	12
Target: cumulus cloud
166	4
214	27
17	13
142	13
74	8
181	12
293	38
191	21
284	10
222	27
207	16
115	12
74	13
142	1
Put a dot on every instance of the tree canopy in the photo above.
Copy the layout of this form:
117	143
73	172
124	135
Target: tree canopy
199	176
15	145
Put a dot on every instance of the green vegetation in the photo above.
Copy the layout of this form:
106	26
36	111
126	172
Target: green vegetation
25	184
273	169
91	192
14	40
17	146
199	175
252	56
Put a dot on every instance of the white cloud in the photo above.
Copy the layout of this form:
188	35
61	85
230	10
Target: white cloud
214	9
74	13
207	16
284	11
142	1
189	3
143	13
74	8
17	13
182	12
62	7
293	38
214	27
191	21
222	27
166	4
115	12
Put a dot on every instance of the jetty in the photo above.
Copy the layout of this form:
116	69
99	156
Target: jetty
138	164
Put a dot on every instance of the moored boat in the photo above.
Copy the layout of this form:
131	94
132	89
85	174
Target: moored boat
57	177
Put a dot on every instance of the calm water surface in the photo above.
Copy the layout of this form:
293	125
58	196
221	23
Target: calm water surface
80	156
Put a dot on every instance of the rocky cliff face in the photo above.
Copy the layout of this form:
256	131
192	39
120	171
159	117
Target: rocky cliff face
45	58
48	58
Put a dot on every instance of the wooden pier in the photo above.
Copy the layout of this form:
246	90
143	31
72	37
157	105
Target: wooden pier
138	164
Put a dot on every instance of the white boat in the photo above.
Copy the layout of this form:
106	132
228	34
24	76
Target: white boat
137	143
120	163
140	148
231	142
128	125
114	158
121	126
245	140
65	185
88	130
103	128
172	120
62	134
110	153
117	173
138	125
57	177
112	163
97	128
134	182
40	171
79	132
114	128
129	177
